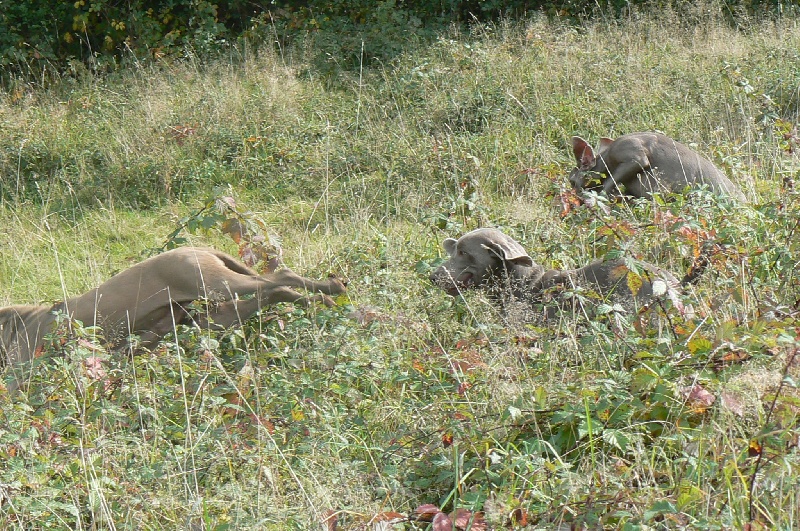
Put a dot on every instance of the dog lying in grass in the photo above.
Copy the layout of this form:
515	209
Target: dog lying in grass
643	163
152	297
490	260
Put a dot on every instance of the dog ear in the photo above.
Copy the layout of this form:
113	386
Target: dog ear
509	250
604	146
449	245
584	155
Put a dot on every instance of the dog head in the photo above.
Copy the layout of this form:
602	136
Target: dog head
590	167
476	258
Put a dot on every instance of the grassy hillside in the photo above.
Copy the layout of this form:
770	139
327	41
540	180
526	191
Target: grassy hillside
402	396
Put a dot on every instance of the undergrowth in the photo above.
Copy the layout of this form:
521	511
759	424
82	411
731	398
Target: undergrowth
401	406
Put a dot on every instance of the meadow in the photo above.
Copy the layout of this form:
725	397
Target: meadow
402	397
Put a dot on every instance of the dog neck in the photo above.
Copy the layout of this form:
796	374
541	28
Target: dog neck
510	280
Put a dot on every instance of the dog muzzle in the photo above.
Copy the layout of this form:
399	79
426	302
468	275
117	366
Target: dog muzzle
453	286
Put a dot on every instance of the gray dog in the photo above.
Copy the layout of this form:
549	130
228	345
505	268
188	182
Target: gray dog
644	163
151	297
490	260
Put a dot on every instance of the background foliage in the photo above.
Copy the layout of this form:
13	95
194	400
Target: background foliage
42	36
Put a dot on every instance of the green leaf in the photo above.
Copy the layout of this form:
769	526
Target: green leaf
658	508
616	438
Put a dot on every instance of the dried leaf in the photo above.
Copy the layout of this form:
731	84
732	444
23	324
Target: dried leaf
618	272
248	256
569	200
426	512
463	387
364	315
697	397
447	439
465	519
460	366
234	228
94	368
442	522
732	402
226	200
330	519
518	517
736	355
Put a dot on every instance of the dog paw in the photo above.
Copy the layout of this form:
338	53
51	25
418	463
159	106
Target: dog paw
338	285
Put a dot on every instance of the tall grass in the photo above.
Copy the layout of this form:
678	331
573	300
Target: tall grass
363	409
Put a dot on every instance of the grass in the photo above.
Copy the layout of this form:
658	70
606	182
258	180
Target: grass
402	396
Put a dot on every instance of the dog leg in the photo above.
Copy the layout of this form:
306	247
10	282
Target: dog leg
235	312
287	277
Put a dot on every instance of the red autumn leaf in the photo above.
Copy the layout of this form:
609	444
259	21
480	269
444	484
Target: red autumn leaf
460	366
463	344
426	512
447	439
442	522
569	200
736	355
234	228
464	519
697	397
